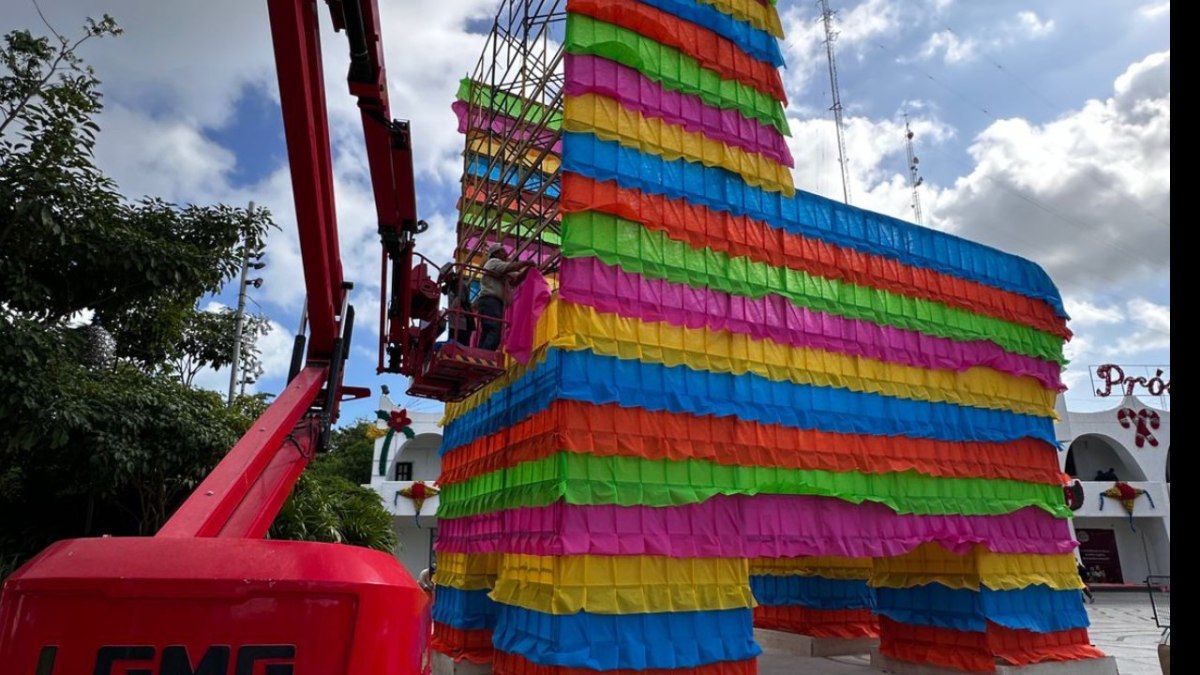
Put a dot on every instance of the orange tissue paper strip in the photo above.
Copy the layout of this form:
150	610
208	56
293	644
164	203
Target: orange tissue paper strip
827	623
978	652
462	644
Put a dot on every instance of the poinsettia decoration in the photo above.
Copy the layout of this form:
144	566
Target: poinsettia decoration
396	420
418	492
1127	495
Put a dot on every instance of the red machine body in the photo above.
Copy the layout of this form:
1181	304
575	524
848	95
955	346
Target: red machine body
165	606
207	595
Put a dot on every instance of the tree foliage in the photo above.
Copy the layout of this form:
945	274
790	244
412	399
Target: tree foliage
350	453
208	338
101	432
329	508
329	503
69	242
88	450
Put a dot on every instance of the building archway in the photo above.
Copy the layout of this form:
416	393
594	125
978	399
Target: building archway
420	456
1092	454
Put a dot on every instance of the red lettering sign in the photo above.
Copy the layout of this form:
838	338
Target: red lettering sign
1112	375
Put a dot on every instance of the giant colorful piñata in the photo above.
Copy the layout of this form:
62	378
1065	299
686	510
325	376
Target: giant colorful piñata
747	405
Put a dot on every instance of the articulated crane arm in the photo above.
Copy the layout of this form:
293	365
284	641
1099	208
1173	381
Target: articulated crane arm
207	594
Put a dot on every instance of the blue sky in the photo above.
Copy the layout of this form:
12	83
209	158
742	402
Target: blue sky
1043	128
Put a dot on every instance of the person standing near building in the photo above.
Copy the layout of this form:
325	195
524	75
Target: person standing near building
493	293
1083	576
425	579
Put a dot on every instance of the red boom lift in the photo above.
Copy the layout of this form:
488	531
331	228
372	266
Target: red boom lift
207	595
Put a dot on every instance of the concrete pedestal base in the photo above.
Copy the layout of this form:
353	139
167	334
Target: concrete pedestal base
1104	666
444	665
804	645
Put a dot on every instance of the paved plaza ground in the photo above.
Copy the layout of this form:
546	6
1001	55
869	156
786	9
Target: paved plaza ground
1122	626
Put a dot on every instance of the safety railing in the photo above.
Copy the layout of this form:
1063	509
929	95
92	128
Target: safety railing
1159	588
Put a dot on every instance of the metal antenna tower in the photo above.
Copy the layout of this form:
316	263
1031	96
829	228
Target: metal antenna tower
914	179
830	36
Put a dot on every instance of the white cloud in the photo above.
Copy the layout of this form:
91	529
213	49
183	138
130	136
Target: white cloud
1151	324
1136	331
1085	313
275	356
804	47
950	47
1078	348
424	67
167	86
1143	93
1086	195
1153	317
214	380
878	165
1073	379
184	61
187	64
276	351
1031	26
80	318
167	158
954	48
1154	10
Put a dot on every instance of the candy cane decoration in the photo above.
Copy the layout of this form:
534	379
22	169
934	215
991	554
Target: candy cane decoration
1144	421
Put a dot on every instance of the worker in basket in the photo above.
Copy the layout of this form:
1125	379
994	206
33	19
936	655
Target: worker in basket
498	273
458	297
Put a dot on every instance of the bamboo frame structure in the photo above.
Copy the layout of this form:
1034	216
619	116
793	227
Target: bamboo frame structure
514	101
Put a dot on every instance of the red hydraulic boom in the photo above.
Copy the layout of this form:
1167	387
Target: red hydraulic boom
409	316
207	594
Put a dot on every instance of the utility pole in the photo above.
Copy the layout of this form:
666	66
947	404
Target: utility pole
830	36
244	380
914	179
235	368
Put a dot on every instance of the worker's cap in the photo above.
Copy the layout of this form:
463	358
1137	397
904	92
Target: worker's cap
496	249
446	269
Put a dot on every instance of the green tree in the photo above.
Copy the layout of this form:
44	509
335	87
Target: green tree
101	433
329	503
108	438
208	338
350	453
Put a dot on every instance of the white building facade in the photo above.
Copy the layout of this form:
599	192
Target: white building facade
395	475
1131	444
